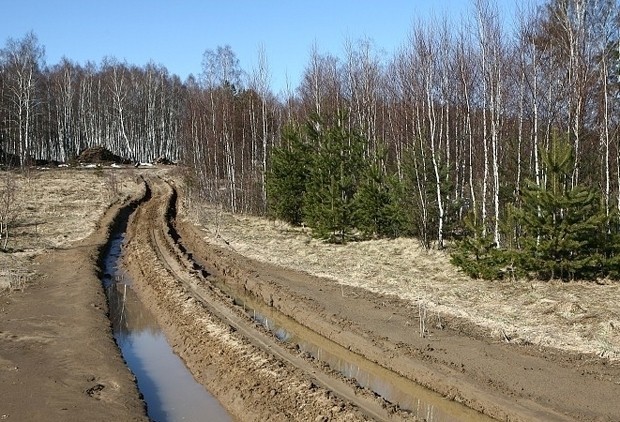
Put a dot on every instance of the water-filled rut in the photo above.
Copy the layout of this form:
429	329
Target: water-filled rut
168	388
396	390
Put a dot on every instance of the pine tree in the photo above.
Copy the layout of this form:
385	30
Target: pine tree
564	231
379	208
287	177
564	227
335	172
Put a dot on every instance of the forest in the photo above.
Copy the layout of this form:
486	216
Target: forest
498	141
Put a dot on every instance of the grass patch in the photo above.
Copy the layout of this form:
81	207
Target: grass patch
57	208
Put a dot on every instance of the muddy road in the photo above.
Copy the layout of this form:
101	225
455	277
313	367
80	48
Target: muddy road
207	299
270	343
58	359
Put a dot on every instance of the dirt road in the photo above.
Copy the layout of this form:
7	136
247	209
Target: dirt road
501	380
58	359
57	355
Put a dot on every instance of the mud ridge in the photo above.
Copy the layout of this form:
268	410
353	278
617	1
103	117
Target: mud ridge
245	282
250	382
242	277
499	379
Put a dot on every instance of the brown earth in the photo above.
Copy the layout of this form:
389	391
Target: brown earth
100	155
454	358
58	360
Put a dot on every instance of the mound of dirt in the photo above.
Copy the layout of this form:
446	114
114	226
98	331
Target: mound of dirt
164	161
100	155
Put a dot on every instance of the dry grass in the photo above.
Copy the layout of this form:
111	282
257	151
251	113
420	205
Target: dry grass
56	209
578	317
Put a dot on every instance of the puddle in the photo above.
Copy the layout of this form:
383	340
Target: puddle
169	390
409	396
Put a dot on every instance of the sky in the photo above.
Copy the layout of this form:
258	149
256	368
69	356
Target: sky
176	34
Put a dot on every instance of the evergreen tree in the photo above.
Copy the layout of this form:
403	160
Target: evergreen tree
612	247
335	172
477	255
564	228
379	208
564	232
287	177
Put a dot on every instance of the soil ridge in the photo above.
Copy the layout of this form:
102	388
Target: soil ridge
503	380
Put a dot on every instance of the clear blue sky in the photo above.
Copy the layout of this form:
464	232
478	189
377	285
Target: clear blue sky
176	33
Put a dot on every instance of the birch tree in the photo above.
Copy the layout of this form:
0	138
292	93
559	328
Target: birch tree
362	72
491	61
466	72
260	82
22	60
426	47
9	207
320	89
118	86
222	78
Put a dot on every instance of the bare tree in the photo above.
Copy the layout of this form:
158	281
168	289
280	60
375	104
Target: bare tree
222	79
321	85
605	35
426	47
119	89
363	81
492	62
9	208
467	77
22	60
260	82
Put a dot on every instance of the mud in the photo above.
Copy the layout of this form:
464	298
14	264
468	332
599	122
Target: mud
455	359
250	382
58	360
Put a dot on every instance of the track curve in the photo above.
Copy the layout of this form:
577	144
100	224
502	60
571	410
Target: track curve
199	319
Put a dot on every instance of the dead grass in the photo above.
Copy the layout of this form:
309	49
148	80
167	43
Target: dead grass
56	209
577	317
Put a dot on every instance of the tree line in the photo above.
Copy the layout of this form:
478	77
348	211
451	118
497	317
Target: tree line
453	131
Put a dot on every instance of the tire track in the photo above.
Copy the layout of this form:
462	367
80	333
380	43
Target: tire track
156	221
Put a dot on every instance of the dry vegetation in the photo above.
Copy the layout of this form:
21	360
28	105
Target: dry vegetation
55	209
579	317
59	207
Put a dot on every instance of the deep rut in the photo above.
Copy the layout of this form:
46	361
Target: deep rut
249	371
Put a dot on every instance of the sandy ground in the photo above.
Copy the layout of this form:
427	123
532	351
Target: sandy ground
512	350
58	359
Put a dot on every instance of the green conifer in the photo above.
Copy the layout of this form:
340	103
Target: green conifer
333	180
378	203
563	227
287	177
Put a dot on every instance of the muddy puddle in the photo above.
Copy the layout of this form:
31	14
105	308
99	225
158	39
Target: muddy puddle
169	390
407	395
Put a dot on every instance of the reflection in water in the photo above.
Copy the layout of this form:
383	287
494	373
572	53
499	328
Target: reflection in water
169	390
421	402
